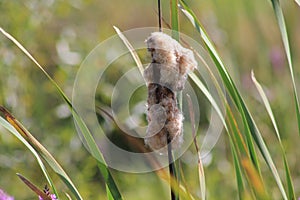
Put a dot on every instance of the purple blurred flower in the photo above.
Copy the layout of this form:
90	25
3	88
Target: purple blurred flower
52	196
277	58
4	196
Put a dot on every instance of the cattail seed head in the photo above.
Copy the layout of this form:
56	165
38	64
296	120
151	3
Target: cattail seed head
173	60
165	75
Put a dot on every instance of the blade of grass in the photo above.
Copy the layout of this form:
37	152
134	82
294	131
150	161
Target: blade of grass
95	152
237	169
201	174
284	35
289	181
174	19
42	151
267	105
131	49
251	129
183	192
239	144
225	77
204	90
34	188
237	137
255	179
83	128
68	196
12	130
239	153
175	35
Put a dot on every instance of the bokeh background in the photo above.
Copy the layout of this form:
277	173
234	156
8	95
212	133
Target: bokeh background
60	34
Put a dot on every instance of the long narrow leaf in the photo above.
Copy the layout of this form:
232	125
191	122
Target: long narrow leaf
261	92
25	134
289	181
131	49
83	128
255	179
266	103
174	19
201	174
238	172
225	77
175	34
34	188
204	90
249	124
12	130
280	19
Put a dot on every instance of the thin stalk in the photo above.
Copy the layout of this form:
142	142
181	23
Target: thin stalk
172	170
176	36
159	16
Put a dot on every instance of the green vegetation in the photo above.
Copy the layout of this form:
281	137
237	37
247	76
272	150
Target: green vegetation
253	48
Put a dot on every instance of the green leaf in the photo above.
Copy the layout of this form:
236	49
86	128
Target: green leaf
284	35
174	19
201	174
83	128
237	169
12	130
255	179
270	112
41	150
204	90
176	36
251	130
131	49
291	192
226	79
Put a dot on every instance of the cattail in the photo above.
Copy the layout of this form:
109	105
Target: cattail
165	76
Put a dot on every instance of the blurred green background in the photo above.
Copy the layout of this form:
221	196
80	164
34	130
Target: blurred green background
60	34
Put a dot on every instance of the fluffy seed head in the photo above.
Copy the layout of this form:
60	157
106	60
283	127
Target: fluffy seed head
174	61
165	75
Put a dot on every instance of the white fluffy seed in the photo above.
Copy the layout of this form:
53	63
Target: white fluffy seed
165	75
173	60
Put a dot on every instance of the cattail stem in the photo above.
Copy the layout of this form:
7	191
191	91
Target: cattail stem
165	77
159	16
172	170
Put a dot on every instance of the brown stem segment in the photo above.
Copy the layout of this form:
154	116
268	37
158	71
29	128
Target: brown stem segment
165	76
159	16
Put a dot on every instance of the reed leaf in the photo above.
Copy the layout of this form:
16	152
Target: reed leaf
284	36
33	143
80	123
250	129
291	193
